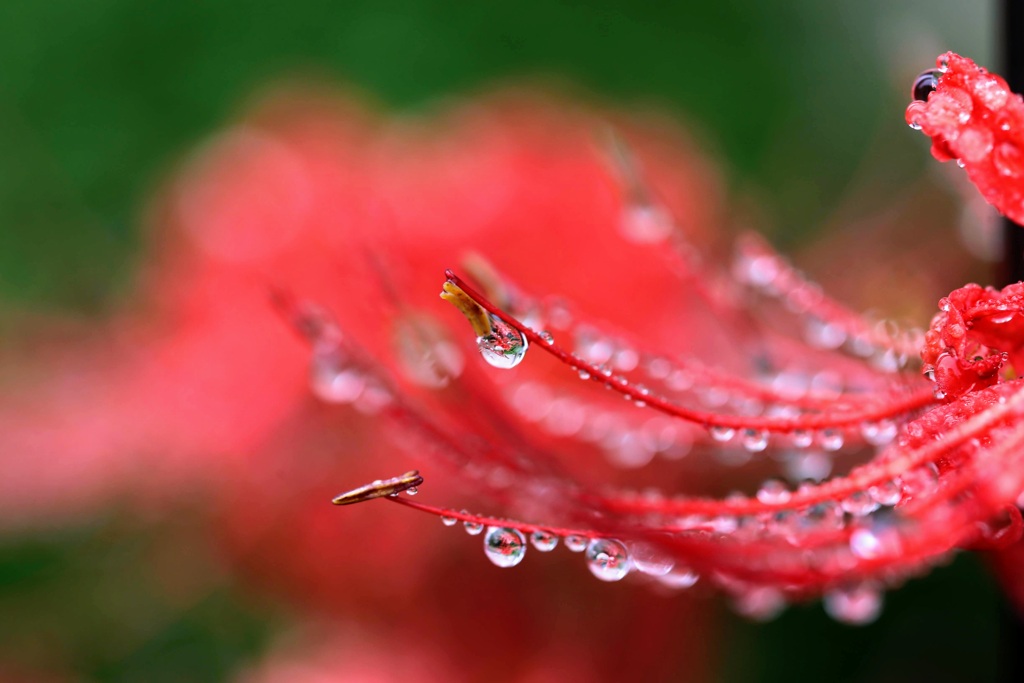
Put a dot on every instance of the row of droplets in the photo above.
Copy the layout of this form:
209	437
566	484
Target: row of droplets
607	559
610	560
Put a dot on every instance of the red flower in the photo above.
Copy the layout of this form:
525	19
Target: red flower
328	223
973	117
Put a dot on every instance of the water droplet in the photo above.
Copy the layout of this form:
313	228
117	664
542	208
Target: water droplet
831	439
505	347
887	493
504	547
802	438
823	517
679	578
333	378
925	84
877	538
722	434
856	606
755	440
859	504
607	559
543	541
575	544
547	337
473	528
583	374
448	521
879	433
411	491
773	492
649	559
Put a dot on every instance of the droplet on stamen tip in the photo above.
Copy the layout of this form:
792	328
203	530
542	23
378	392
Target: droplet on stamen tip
607	559
543	541
505	547
505	347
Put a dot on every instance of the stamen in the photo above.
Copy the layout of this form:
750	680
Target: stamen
380	489
474	312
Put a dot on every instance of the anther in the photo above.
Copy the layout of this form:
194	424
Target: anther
380	489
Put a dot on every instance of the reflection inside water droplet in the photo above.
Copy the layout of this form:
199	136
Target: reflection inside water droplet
607	559
504	547
505	347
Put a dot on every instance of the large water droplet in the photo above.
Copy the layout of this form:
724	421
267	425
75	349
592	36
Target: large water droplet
543	541
649	559
505	347
504	547
607	559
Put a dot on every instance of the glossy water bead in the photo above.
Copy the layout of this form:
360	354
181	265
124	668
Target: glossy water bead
504	546
607	559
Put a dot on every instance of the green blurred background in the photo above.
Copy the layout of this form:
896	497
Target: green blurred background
99	98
